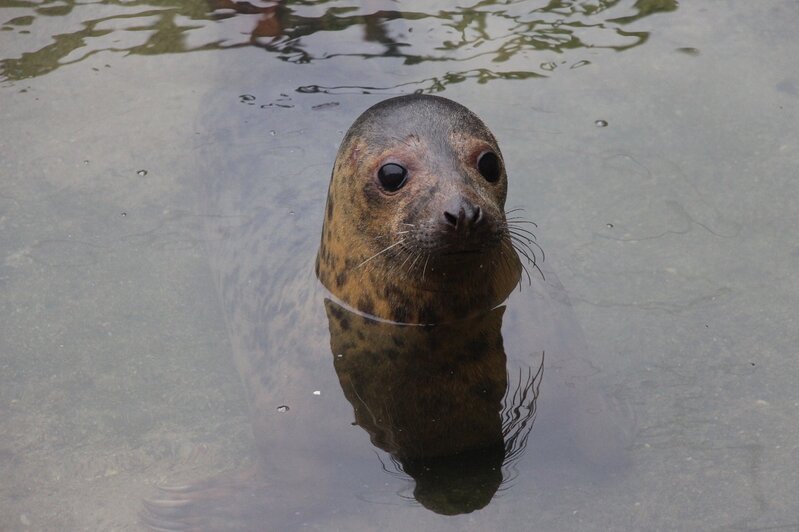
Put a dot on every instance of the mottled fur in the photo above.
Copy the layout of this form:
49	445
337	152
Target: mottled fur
390	254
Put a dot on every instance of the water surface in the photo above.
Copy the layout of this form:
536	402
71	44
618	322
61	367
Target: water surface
672	228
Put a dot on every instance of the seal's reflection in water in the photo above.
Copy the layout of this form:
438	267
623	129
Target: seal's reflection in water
436	398
414	232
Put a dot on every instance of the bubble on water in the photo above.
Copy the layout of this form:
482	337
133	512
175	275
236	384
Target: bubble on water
610	226
244	98
142	172
272	132
283	408
549	66
601	123
317	392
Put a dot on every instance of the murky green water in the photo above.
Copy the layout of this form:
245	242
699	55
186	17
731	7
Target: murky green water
672	228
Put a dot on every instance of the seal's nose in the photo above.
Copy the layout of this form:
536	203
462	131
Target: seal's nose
461	215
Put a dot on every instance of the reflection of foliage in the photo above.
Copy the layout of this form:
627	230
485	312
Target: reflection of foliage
163	20
516	27
511	33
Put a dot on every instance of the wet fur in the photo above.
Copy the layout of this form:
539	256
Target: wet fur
386	254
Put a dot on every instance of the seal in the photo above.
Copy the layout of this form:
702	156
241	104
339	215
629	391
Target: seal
403	324
415	229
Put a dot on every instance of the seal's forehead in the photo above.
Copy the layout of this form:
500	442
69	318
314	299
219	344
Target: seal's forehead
424	116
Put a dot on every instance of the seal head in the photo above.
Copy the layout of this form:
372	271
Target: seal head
415	229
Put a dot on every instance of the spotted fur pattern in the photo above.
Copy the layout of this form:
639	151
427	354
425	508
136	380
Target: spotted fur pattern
392	255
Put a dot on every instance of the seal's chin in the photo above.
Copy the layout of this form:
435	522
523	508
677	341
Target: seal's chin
460	262
460	257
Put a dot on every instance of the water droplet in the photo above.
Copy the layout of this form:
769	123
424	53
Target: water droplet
548	66
610	226
272	132
124	214
246	98
601	123
142	172
86	161
317	392
283	408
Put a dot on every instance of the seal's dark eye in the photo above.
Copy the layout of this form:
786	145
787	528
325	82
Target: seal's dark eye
392	176
488	164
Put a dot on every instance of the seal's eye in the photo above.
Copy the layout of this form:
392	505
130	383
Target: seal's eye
392	176
488	164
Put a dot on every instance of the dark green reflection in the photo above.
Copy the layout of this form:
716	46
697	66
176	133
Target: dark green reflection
163	22
518	39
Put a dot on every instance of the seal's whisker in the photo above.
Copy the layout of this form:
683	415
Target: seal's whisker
517	237
424	269
525	270
516	220
520	235
379	253
543	256
416	257
507	254
521	230
537	267
528	253
408	255
526	244
522	248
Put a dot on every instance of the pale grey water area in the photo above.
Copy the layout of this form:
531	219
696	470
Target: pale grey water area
656	146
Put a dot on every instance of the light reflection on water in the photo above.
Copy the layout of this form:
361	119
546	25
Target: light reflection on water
520	39
698	313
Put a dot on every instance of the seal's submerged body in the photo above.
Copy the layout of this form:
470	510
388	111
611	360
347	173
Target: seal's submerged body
399	324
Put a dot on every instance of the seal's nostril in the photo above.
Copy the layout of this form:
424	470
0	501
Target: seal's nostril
462	215
477	216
